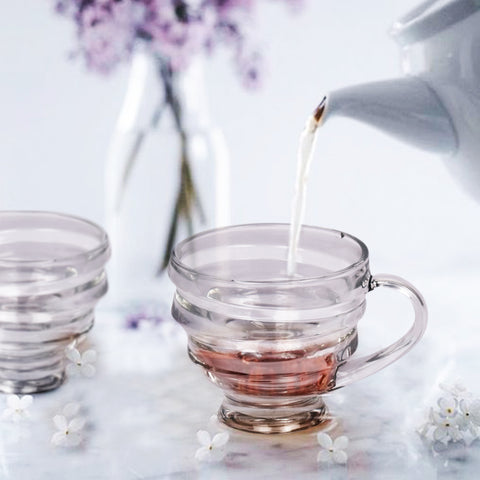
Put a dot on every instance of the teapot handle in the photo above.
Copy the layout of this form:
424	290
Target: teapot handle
358	368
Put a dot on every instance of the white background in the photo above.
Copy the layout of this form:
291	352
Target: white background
56	120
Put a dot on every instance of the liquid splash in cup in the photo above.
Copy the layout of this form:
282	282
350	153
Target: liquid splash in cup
272	342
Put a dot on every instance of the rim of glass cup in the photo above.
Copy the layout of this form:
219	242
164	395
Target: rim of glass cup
88	255
183	269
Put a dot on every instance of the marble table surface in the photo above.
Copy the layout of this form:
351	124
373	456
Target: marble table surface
147	401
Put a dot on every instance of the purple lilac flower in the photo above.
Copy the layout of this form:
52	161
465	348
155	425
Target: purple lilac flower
145	314
175	30
178	33
107	32
250	69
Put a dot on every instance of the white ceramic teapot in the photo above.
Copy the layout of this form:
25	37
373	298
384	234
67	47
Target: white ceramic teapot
436	106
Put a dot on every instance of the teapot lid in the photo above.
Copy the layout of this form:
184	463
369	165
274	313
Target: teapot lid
431	17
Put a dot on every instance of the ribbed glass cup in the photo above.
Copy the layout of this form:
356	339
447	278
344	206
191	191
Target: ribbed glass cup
51	277
276	343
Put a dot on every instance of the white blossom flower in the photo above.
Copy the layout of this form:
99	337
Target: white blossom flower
457	417
69	432
212	449
446	428
469	413
17	407
332	449
80	364
448	406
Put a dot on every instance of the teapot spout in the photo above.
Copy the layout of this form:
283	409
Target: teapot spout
406	108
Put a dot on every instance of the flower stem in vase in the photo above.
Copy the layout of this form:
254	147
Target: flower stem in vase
135	150
187	197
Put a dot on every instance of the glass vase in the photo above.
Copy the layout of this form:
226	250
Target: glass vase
166	178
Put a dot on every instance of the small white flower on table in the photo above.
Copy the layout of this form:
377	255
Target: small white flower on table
446	428
212	449
469	412
17	407
457	417
448	406
69	432
332	449
80	364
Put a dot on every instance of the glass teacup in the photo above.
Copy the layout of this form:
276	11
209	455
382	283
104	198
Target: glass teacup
276	343
52	274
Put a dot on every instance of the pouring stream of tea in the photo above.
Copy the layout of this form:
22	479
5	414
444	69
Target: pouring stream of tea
306	148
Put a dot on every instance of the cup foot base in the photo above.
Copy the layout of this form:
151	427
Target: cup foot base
31	386
274	424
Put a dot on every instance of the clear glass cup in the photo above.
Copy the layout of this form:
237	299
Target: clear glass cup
51	277
275	343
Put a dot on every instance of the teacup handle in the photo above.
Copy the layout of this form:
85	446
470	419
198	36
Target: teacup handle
358	368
